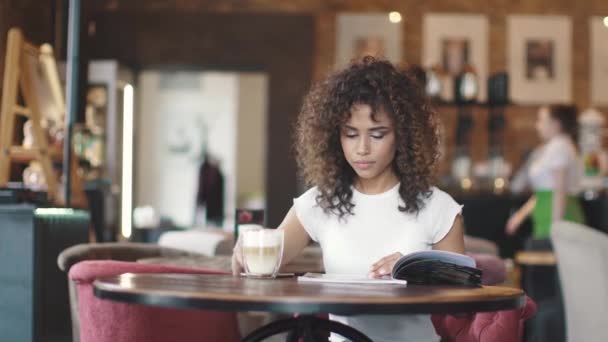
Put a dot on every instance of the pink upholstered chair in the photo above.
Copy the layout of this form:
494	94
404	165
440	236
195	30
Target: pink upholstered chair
492	266
110	321
496	326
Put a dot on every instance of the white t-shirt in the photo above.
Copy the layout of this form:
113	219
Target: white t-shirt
377	229
558	152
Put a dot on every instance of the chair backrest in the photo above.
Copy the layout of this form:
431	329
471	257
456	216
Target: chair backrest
494	270
127	251
495	326
477	245
205	241
111	321
582	262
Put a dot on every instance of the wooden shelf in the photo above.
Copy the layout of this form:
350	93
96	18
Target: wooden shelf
24	155
536	258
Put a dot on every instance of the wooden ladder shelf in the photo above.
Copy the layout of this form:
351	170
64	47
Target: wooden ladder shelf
26	64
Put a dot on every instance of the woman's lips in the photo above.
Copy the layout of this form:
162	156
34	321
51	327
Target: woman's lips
363	165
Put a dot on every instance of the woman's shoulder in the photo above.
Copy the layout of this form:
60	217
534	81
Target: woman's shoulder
436	193
560	144
558	149
309	196
438	198
312	191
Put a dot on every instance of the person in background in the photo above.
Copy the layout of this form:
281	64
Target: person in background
554	173
210	193
366	139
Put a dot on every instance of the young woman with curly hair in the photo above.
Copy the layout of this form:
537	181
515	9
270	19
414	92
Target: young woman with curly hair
366	140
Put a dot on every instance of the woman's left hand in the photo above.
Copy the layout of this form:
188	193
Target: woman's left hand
384	266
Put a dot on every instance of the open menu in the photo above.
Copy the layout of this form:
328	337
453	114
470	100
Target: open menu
347	278
421	268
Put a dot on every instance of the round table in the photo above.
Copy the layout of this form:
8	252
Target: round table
287	295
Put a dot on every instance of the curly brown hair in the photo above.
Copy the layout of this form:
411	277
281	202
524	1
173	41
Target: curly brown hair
326	108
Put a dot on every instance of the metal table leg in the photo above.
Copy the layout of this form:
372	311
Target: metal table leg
307	328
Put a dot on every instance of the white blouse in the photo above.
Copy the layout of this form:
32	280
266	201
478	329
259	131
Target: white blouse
558	152
377	229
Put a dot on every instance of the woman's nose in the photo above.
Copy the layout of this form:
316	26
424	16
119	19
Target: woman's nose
363	146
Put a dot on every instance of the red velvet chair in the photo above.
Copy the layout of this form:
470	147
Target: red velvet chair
496	326
110	321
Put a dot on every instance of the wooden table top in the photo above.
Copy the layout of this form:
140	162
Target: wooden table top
286	295
535	258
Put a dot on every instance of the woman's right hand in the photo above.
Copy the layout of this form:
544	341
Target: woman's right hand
237	259
513	224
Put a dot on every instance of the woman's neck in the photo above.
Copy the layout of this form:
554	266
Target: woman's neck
377	185
557	135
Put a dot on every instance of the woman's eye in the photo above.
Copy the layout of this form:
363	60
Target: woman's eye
350	135
377	136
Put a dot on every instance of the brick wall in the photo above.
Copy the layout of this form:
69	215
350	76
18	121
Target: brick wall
519	135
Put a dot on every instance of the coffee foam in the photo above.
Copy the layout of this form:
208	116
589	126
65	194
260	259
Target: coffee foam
262	238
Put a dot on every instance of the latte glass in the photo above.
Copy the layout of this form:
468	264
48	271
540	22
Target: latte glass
262	251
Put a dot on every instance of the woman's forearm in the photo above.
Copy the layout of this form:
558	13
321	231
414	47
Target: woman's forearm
295	238
527	209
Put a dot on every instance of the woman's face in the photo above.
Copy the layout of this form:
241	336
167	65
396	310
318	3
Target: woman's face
368	145
546	126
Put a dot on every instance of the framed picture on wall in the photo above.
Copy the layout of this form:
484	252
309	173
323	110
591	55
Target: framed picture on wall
375	34
539	59
453	43
598	42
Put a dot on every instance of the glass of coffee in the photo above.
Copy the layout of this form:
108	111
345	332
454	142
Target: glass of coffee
262	251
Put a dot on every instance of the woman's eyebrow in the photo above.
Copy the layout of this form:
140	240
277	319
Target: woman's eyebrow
379	128
373	129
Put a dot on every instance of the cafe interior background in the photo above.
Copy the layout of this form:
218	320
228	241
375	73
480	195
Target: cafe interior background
183	111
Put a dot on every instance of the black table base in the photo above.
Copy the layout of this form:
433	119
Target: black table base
308	328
